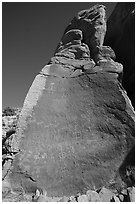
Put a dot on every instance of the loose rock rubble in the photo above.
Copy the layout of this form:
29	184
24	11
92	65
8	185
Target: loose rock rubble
104	195
9	124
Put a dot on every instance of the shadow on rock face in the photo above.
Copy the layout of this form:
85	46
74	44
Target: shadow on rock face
121	37
127	169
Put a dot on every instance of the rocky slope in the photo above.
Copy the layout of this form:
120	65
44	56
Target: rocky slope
76	129
9	125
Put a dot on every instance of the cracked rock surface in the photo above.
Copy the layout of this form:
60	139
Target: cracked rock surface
76	128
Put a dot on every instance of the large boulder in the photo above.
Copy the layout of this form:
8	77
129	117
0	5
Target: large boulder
77	123
121	37
92	23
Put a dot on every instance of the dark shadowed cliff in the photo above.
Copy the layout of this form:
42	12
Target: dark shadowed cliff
121	37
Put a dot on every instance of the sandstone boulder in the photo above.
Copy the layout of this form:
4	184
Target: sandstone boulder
77	123
82	198
121	197
93	196
92	23
131	191
106	195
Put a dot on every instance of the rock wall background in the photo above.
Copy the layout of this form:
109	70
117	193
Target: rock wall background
121	37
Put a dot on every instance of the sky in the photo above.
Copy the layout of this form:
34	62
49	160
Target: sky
31	32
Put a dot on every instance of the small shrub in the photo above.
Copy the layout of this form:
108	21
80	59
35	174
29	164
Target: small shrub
8	112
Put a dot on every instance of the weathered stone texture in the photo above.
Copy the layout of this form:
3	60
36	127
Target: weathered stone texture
92	23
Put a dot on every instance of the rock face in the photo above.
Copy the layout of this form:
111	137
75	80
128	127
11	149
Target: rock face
92	23
77	124
121	37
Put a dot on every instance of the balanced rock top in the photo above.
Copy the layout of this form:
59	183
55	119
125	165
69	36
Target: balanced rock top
92	24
